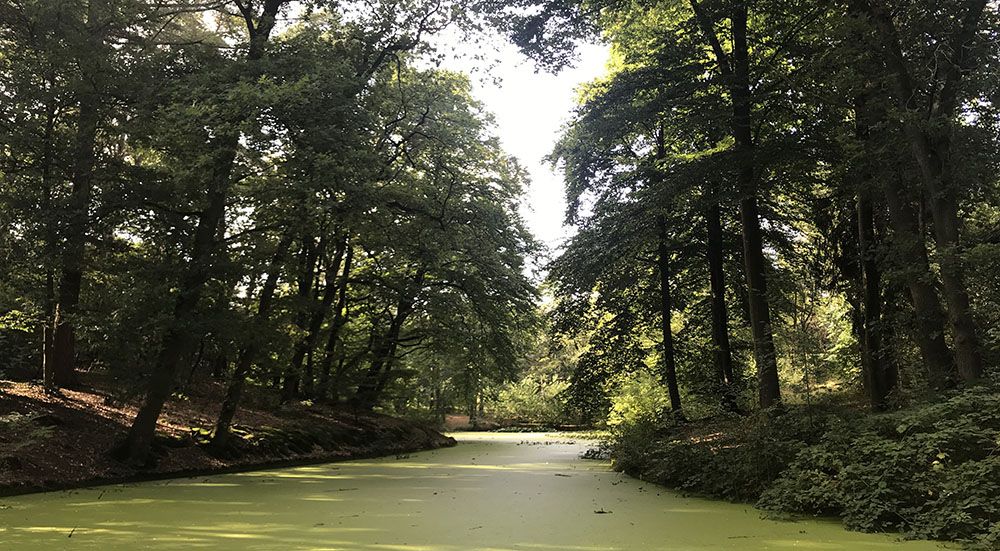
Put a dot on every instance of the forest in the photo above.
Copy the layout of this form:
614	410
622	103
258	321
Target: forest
781	283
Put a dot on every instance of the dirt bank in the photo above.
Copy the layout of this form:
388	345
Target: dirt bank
62	442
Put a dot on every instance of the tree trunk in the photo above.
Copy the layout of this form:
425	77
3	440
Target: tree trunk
249	351
669	365
753	246
472	397
196	362
179	337
345	366
367	393
48	189
340	317
307	271
137	444
318	313
386	375
933	156
220	366
944	209
384	350
75	230
880	371
926	307
721	349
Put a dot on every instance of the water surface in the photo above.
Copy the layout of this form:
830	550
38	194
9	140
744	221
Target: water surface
491	492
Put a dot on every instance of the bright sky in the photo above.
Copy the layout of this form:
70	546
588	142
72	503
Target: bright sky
531	108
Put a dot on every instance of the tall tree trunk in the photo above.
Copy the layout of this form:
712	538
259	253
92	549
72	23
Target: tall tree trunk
220	364
386	375
367	393
307	272
669	364
177	339
471	399
383	352
48	189
736	72
721	348
308	374
196	362
753	245
340	317
933	155
248	353
890	316
319	311
929	317
879	369
77	215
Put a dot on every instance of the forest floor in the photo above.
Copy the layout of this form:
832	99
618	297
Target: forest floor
58	442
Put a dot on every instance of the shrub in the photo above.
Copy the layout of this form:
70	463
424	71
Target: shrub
639	400
931	471
533	399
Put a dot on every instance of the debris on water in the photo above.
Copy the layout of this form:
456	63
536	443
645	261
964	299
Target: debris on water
602	512
600	454
565	475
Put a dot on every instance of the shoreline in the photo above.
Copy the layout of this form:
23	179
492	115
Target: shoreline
267	465
59	443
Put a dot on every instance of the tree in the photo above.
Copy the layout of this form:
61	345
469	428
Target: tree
928	115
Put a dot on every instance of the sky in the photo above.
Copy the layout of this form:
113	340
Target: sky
530	109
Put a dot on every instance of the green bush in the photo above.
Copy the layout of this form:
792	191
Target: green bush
931	471
533	399
639	400
734	459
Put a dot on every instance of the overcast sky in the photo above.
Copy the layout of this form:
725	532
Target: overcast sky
530	109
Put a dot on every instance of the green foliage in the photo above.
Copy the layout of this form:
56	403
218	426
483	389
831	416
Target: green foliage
930	472
532	399
735	460
334	141
640	399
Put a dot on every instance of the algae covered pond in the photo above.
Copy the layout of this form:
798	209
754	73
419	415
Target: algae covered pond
492	491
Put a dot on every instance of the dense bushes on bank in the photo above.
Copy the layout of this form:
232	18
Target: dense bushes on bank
928	471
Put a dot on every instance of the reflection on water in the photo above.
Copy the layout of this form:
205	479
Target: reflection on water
492	492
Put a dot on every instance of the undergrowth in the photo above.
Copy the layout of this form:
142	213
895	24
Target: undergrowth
930	471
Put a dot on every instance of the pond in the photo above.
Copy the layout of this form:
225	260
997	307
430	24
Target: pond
491	492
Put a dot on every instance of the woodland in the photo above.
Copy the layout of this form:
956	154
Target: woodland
781	285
